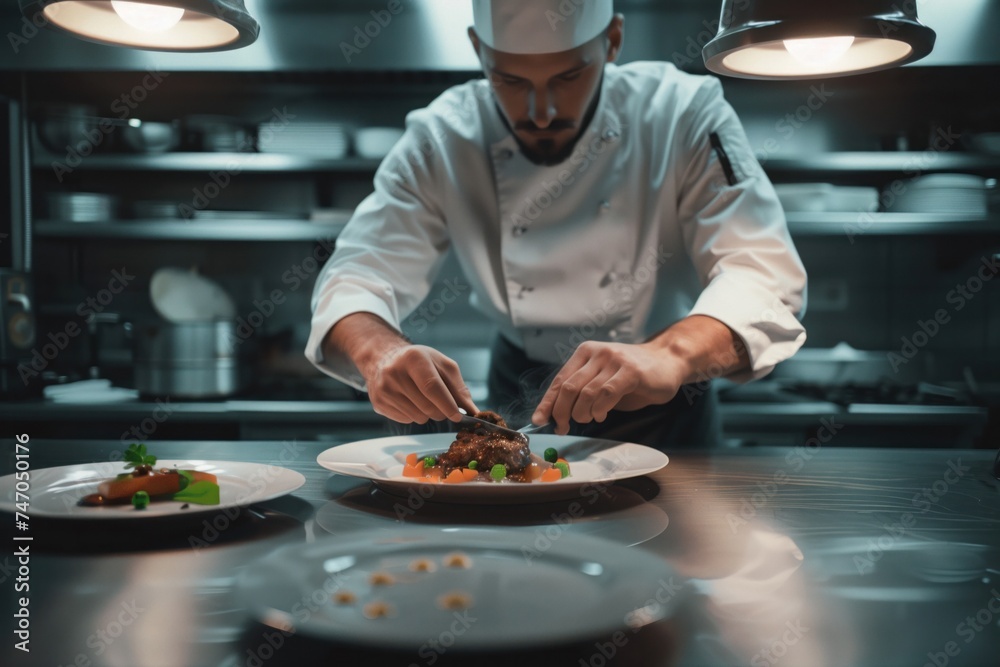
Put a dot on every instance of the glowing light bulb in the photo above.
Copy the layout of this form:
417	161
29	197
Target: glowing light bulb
819	51
146	17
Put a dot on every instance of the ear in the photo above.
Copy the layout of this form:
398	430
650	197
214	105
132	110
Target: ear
616	33
474	38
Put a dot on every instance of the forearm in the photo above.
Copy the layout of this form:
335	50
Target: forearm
707	348
363	338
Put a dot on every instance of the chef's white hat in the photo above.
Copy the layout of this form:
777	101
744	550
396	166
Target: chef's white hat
540	26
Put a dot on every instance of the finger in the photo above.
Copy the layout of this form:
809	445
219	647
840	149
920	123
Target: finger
589	394
417	390
458	394
399	409
569	392
614	389
543	413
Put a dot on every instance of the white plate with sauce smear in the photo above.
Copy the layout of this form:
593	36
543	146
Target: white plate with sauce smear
593	462
55	492
397	592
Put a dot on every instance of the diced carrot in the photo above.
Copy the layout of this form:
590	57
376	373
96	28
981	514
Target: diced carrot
562	461
155	484
411	459
535	471
470	475
455	477
413	470
552	475
434	473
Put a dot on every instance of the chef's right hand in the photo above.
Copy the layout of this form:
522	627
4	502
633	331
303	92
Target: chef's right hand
415	383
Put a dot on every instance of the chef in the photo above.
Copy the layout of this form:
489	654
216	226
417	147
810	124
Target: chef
611	220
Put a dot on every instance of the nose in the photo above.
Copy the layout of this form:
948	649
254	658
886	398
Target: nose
541	107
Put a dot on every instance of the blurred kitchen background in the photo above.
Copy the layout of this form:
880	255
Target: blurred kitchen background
244	164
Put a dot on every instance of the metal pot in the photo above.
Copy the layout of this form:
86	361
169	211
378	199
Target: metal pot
189	360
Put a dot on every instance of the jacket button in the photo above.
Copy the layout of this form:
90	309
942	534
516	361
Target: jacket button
610	135
605	205
505	154
519	230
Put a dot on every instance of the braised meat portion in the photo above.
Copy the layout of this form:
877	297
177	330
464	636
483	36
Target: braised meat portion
487	448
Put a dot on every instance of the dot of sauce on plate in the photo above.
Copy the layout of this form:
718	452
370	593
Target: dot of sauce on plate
381	579
454	601
344	597
422	565
374	610
458	561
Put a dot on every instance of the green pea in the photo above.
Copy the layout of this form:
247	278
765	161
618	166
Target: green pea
563	468
140	499
430	461
473	465
551	455
499	472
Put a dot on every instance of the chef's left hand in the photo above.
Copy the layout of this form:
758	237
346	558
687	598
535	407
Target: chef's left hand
601	377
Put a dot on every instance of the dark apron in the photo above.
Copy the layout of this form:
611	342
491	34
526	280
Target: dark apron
517	383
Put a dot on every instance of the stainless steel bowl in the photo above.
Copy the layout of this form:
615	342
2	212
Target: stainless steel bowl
189	360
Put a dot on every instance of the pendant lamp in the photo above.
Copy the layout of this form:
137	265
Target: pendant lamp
157	25
805	39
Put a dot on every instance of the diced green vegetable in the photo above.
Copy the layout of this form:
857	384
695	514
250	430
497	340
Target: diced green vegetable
199	493
473	465
185	479
563	468
498	472
551	455
140	499
430	461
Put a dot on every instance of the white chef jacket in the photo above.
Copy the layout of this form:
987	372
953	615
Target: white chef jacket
637	229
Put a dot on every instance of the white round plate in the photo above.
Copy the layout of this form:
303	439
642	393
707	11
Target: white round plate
186	296
55	492
573	588
592	462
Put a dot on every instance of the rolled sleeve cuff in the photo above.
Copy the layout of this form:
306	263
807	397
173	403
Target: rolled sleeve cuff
769	328
332	306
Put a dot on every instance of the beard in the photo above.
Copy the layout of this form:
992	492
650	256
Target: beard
546	152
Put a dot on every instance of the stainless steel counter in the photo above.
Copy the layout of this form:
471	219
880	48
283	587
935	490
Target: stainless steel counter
822	557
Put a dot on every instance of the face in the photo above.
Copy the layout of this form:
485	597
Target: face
547	99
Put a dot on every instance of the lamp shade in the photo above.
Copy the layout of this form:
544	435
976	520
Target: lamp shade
156	25
800	39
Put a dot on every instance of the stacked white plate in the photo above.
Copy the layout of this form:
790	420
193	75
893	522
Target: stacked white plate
826	198
956	194
80	207
314	139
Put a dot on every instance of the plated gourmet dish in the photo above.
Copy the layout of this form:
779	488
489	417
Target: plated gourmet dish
487	456
144	484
